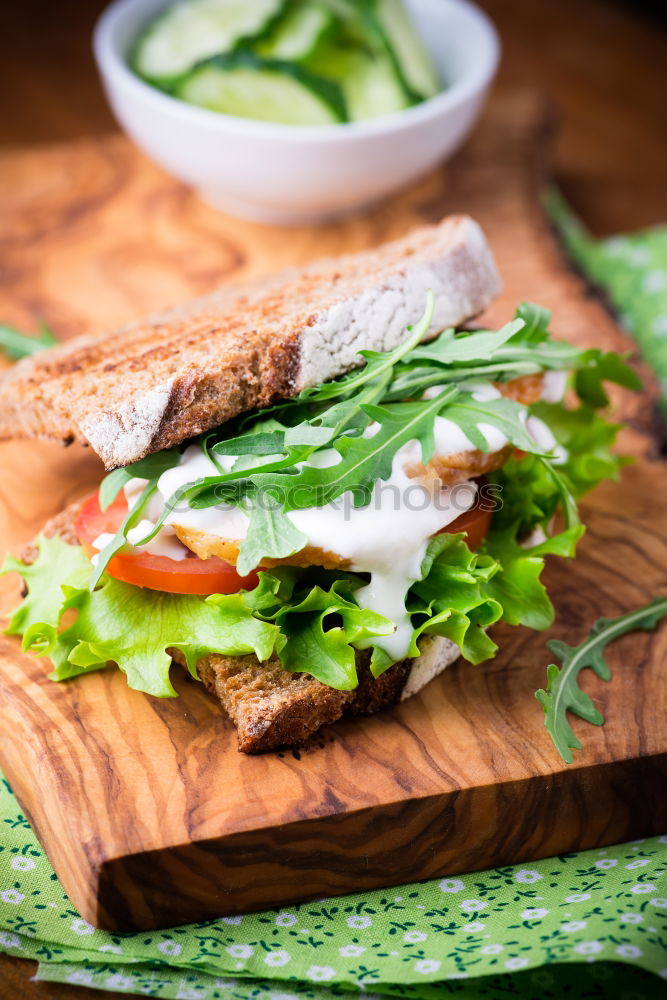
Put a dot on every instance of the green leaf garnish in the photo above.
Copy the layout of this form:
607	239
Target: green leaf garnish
18	345
563	694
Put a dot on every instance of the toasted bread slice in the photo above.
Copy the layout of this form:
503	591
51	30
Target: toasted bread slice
272	707
155	383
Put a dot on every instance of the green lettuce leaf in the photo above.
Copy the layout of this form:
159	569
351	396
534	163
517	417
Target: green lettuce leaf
111	622
57	565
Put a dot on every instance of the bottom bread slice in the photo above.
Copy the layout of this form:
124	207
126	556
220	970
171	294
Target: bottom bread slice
272	707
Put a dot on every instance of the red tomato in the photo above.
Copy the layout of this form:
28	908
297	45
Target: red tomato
475	523
175	576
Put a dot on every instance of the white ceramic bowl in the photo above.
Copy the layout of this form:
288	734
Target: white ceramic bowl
296	174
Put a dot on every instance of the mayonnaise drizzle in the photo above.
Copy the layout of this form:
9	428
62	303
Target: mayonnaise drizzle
387	538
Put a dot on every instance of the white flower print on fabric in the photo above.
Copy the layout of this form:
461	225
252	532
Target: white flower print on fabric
11	896
578	897
638	863
641	888
234	921
320	973
277	958
573	925
240	950
351	950
426	966
8	940
359	922
491	949
472	905
475	927
631	918
654	281
605	863
588	947
115	949
516	963
451	885
628	951
80	978
170	948
414	937
285	919
118	982
189	993
534	913
22	864
527	876
81	927
659	902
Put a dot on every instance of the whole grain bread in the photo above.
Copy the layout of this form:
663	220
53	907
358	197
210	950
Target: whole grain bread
155	383
272	707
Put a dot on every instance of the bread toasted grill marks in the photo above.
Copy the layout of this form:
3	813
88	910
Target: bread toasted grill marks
153	384
272	707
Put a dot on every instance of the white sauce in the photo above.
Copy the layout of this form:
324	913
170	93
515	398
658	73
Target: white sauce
543	437
554	385
387	538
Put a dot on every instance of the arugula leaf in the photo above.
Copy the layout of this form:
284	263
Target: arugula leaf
18	345
451	347
536	322
120	538
563	693
469	413
150	468
364	460
271	534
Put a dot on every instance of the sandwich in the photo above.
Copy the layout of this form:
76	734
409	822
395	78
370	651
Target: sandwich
322	488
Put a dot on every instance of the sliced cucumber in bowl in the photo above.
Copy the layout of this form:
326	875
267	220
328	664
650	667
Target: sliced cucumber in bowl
369	82
298	33
246	86
404	47
191	30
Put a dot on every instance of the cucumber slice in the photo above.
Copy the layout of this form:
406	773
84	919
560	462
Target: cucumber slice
298	33
192	30
406	47
371	87
266	90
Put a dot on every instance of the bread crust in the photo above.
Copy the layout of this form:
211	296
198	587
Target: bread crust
158	382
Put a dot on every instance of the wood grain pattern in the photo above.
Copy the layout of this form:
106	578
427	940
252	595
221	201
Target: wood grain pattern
149	814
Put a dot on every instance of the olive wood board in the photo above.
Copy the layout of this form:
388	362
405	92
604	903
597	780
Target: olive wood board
147	811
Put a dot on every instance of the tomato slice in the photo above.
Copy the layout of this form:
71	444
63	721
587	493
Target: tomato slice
474	522
143	569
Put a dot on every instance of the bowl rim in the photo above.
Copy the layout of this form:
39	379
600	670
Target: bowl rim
474	81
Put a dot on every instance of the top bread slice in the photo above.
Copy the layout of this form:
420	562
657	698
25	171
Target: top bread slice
155	383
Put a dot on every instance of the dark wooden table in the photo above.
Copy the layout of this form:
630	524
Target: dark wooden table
603	64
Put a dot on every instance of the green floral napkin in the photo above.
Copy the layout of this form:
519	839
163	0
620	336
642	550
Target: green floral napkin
512	932
413	941
631	270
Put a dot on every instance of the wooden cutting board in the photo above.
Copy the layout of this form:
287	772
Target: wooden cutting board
148	813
